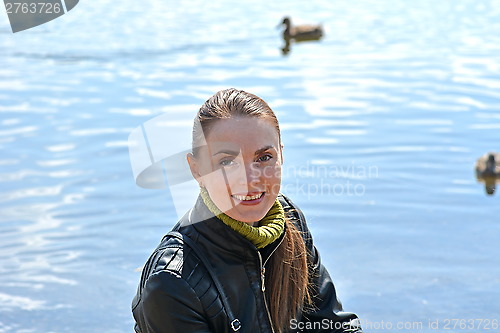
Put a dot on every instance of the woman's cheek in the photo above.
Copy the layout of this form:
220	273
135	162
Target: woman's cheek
273	179
269	172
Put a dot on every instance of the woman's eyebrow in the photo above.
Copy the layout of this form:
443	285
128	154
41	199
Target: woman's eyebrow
261	150
236	153
228	152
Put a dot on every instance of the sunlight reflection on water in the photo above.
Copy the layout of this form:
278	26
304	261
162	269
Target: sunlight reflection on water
408	89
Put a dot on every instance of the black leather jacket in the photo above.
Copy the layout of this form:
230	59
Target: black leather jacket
177	295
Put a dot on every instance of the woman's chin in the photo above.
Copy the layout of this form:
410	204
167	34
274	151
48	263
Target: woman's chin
250	214
251	211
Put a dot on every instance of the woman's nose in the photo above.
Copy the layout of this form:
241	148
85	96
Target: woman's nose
250	173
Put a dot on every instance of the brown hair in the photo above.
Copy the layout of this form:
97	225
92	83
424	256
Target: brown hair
287	274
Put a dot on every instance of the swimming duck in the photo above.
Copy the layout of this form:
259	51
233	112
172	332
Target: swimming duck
488	171
488	165
301	32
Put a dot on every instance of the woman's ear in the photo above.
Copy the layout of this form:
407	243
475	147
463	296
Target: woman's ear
194	167
281	153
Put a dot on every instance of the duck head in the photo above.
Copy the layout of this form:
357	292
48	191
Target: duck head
286	22
490	163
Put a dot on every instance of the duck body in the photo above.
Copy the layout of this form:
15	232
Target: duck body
488	166
301	32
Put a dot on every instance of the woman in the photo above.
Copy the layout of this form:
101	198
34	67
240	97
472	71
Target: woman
242	259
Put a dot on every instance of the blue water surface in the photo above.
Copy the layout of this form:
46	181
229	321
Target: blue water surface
382	121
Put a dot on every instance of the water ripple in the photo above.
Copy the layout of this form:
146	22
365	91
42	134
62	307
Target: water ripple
8	302
31	192
411	90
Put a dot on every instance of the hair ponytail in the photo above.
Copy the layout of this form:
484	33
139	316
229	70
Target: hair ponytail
288	279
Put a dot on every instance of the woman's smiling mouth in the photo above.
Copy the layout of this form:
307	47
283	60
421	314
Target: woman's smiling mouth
249	198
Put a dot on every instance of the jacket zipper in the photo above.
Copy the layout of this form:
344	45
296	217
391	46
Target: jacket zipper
263	278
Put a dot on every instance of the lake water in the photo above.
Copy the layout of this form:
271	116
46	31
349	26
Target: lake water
382	122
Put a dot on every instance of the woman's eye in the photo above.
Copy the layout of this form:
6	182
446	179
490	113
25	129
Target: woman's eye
226	162
265	158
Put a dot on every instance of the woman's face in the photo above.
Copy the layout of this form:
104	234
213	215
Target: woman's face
240	167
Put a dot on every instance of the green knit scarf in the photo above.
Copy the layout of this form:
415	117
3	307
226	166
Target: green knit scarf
269	229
